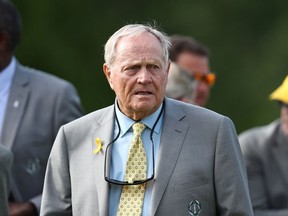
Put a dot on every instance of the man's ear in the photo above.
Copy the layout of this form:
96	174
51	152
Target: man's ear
168	66
107	73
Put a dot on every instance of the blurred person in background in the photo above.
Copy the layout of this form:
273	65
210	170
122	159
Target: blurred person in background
33	106
181	85
265	151
193	57
6	160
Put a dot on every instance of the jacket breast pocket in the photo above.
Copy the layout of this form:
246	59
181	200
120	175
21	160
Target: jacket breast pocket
189	182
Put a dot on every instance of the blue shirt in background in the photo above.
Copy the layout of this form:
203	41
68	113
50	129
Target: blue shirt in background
6	77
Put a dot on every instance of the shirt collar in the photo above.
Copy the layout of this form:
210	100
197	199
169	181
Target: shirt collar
7	74
126	122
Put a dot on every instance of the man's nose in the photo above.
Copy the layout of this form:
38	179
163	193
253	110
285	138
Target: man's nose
144	76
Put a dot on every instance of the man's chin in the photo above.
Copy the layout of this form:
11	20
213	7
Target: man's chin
143	106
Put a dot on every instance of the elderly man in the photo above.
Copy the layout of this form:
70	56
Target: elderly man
5	172
179	159
265	150
33	106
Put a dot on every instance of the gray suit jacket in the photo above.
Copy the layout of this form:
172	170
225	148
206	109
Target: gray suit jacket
265	150
5	171
199	159
37	106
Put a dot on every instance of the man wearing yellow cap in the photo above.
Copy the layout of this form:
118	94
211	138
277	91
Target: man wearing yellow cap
265	150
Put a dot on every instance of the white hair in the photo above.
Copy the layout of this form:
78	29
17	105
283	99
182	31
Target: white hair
131	30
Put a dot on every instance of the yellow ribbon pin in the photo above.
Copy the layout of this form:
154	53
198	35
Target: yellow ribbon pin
99	146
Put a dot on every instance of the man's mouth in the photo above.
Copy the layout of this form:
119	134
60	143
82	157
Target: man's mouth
143	93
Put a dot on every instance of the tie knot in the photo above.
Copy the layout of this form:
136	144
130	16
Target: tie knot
138	128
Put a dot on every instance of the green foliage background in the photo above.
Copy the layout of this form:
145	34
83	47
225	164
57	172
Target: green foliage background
247	40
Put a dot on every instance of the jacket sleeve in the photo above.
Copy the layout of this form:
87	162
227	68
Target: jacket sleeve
232	193
56	199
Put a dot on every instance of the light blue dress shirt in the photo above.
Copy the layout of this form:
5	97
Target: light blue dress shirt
6	77
120	149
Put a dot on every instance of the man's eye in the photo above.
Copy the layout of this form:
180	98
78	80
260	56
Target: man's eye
153	67
133	68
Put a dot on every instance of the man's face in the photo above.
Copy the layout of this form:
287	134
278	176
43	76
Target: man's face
195	63
138	75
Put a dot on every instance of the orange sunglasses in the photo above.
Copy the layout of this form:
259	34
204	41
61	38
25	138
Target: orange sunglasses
208	78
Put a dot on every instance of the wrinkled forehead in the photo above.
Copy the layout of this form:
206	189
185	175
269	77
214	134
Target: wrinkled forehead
144	44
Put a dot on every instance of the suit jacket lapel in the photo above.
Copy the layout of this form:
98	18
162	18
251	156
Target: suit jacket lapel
171	142
104	131
280	151
17	100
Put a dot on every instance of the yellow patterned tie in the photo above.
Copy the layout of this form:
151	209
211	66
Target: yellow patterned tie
132	197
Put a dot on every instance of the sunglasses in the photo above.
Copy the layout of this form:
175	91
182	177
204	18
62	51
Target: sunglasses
208	78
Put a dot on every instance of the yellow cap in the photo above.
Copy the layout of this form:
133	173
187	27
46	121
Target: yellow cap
281	93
